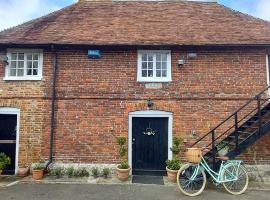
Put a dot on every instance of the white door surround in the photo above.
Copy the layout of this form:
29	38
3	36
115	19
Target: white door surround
149	113
13	111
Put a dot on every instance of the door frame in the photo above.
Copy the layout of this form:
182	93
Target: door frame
149	113
14	111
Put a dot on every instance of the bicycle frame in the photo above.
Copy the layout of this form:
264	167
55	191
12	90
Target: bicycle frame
217	176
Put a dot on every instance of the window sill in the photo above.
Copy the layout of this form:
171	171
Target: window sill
22	79
154	81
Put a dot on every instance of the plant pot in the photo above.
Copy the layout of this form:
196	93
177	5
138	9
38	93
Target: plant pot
223	152
122	174
172	175
23	172
38	174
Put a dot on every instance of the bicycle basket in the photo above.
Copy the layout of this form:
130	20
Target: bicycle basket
194	155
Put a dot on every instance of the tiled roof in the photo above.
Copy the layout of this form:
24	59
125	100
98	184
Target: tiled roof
142	23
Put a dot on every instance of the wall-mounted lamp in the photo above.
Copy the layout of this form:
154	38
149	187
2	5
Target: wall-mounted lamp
192	55
4	59
181	62
150	103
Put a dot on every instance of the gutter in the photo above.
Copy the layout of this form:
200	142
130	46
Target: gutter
55	67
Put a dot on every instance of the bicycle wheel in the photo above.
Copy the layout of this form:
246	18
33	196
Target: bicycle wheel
191	186
238	186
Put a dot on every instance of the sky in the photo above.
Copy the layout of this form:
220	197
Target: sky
14	12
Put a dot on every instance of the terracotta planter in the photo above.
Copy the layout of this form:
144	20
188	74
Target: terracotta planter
122	174
172	175
223	152
37	174
23	172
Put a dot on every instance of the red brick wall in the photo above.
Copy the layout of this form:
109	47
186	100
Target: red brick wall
95	97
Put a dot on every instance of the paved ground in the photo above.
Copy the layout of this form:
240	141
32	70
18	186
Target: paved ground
114	192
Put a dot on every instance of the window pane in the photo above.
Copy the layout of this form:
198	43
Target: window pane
20	72
13	64
29	56
164	73
29	71
21	56
35	72
150	65
12	72
150	73
158	74
144	65
35	56
164	57
144	57
144	73
158	65
29	64
35	64
20	64
158	57
150	57
164	65
14	56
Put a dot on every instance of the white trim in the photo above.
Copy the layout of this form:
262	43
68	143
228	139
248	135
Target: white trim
267	73
25	77
149	113
154	79
14	111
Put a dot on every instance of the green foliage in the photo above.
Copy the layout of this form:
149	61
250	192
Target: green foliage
121	141
80	172
70	171
122	151
173	164
38	166
95	172
123	165
57	171
4	161
221	145
106	172
176	148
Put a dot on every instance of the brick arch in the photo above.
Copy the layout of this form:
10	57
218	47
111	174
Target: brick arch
10	104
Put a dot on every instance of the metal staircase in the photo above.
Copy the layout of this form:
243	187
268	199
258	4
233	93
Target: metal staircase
240	130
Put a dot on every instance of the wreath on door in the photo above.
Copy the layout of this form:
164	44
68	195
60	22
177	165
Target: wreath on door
149	131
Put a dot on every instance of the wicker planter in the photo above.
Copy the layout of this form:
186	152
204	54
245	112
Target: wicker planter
23	172
38	174
122	174
172	175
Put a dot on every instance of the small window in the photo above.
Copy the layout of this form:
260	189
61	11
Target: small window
154	66
24	64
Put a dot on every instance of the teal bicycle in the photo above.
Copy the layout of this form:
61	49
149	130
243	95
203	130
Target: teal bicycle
191	177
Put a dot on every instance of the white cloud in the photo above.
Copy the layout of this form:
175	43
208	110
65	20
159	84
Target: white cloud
14	12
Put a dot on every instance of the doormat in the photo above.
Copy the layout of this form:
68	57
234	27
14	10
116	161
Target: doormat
157	180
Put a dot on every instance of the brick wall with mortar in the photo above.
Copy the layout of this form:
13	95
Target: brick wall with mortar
94	98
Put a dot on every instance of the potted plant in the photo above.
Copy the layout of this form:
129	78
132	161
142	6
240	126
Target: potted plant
174	165
24	169
222	149
38	170
123	168
4	162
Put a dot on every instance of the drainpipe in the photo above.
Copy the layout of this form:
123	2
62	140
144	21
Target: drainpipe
54	66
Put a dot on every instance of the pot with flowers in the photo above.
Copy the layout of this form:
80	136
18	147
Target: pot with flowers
174	164
4	162
123	168
38	170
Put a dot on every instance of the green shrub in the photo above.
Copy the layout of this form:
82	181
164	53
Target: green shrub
106	172
95	172
80	172
176	148
123	165
38	166
173	164
57	171
70	171
222	145
4	161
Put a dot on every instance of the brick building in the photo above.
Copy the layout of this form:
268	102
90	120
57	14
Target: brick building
77	78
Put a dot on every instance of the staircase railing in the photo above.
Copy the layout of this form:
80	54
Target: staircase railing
235	120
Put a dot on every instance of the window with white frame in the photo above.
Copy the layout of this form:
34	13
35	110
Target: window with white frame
24	64
154	66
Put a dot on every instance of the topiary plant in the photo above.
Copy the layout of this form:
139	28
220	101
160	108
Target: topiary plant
4	161
121	141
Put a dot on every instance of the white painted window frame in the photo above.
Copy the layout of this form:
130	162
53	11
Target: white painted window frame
150	113
25	77
14	111
154	79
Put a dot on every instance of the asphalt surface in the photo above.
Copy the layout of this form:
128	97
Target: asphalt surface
114	192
